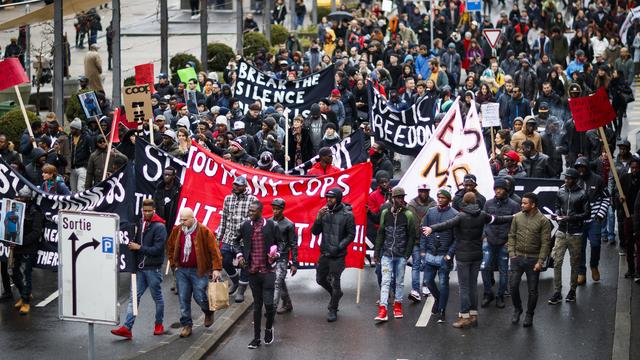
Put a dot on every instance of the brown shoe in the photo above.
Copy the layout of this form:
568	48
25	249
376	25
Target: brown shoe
186	331
582	279
595	274
24	309
462	323
473	320
208	319
18	303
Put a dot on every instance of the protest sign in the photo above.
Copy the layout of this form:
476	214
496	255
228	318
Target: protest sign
297	96
209	179
144	75
90	105
137	103
405	132
187	74
490	115
593	111
12	221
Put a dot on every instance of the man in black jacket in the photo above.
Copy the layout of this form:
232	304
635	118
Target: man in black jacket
258	239
470	183
81	148
336	223
7	155
572	208
149	256
536	164
166	197
288	241
24	256
494	247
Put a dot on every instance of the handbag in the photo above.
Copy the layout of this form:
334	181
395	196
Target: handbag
218	295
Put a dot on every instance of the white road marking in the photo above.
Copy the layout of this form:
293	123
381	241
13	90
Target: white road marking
425	315
49	299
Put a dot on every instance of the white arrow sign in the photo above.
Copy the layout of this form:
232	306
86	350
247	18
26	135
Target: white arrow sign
492	36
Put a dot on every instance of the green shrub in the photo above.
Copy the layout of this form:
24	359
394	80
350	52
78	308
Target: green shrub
218	56
323	11
254	41
279	34
179	61
12	124
74	108
130	81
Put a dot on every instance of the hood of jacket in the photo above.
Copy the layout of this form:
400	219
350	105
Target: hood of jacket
157	218
37	153
471	209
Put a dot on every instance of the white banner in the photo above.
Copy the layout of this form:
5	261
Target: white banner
633	14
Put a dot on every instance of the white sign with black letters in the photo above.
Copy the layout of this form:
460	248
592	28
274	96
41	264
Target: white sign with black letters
88	274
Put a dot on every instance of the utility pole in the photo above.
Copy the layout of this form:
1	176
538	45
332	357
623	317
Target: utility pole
204	29
117	58
239	29
314	12
266	19
58	61
164	37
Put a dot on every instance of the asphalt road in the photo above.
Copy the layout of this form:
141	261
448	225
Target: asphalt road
583	330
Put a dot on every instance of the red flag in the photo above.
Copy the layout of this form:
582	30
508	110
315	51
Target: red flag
144	75
593	111
115	137
12	73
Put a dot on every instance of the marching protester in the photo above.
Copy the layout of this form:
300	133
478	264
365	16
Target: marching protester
97	162
193	251
468	226
394	245
324	166
494	246
438	250
258	253
53	183
235	210
288	245
149	257
528	245
571	211
630	183
420	206
80	143
335	222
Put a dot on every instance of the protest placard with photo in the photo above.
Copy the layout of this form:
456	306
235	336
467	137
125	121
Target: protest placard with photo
12	219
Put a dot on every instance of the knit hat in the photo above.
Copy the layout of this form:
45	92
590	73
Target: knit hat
501	183
513	156
222	120
445	192
76	124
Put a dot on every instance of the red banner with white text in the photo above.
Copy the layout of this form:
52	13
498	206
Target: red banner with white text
592	111
209	177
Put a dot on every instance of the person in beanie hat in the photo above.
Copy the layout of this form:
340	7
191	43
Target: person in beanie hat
394	245
419	205
437	250
470	183
336	223
81	145
493	248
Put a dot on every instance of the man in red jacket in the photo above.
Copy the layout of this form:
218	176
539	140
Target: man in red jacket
324	165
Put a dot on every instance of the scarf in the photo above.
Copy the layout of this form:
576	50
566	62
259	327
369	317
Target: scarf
187	240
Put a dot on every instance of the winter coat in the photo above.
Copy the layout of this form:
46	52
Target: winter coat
55	187
245	238
33	169
95	166
33	230
396	234
530	236
539	166
208	255
338	230
81	151
152	239
93	70
497	234
167	202
438	242
573	204
287	240
457	200
468	227
596	191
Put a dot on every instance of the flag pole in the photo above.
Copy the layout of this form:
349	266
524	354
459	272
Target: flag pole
359	285
150	129
493	143
286	144
614	170
24	114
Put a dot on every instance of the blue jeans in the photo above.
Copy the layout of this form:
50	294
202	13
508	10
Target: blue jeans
441	293
299	21
151	279
468	282
189	283
417	267
611	225
392	265
489	253
591	233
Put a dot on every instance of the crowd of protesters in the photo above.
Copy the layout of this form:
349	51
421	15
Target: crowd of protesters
546	54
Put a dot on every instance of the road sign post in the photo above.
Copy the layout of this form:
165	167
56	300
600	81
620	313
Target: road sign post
492	36
88	270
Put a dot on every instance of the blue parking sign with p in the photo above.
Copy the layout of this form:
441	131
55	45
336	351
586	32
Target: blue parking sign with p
107	245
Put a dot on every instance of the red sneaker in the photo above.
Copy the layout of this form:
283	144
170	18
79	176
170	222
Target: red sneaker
382	313
397	310
122	331
158	329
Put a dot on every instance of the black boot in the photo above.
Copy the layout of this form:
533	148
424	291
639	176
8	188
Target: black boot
516	316
528	320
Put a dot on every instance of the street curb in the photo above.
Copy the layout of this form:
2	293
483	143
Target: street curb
207	341
622	328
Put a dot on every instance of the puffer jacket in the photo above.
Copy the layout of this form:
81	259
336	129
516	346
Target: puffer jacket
152	239
574	204
288	240
338	230
396	234
498	234
467	227
439	242
530	236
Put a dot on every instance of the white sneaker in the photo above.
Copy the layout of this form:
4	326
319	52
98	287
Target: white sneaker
414	296
425	291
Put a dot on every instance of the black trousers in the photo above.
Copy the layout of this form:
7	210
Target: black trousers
4	273
262	286
525	265
328	272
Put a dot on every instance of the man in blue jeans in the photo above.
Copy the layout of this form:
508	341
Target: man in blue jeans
193	250
420	205
149	257
394	245
494	247
438	250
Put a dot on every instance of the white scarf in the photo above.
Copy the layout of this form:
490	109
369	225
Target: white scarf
187	240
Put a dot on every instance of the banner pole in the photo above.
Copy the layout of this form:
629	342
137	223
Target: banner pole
493	143
116	118
614	170
286	144
24	114
150	129
359	285
134	293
